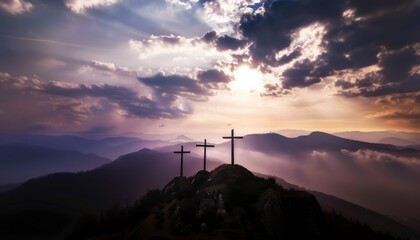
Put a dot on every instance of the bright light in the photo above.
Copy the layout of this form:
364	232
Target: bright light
247	81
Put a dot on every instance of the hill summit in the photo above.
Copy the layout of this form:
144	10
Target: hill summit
229	202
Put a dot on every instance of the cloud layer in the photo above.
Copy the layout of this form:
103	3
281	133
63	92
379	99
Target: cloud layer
80	6
16	6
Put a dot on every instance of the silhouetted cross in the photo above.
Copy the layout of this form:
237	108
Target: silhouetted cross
232	137
205	146
182	159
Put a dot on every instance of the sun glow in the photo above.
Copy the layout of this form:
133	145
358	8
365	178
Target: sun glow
247	81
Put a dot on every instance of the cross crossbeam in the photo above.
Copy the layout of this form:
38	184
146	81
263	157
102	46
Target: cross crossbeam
182	152
232	137
205	146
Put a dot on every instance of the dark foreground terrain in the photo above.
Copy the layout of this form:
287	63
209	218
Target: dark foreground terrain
226	203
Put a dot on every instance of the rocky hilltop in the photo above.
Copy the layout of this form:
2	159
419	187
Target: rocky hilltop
226	203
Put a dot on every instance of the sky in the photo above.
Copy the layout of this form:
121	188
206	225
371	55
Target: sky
189	66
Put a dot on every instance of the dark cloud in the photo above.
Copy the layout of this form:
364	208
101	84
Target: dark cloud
213	79
229	43
412	84
288	57
370	7
271	31
303	74
224	42
274	90
358	34
213	76
26	103
396	65
343	84
172	87
209	37
126	98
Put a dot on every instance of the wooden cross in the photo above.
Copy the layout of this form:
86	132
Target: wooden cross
205	146
182	159
232	137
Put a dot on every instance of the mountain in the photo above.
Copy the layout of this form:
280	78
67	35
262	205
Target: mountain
59	199
273	143
111	147
21	162
291	133
359	172
397	141
415	147
226	203
377	136
8	187
182	138
376	221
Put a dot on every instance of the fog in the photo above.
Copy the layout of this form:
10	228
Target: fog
379	181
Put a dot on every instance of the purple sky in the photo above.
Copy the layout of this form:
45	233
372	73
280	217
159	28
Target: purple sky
161	66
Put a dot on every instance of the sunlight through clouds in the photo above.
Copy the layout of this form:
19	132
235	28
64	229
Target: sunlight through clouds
80	6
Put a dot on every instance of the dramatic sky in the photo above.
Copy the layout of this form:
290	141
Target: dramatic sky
115	66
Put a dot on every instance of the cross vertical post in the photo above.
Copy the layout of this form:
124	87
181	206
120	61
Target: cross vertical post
182	159
232	144
205	146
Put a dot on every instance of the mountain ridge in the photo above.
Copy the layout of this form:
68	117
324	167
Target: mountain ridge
20	162
229	202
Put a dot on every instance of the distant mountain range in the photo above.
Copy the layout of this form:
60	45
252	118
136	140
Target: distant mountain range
59	199
360	172
397	138
21	162
373	175
277	144
182	138
111	147
226	203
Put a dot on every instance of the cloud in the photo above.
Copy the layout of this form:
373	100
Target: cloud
127	99
80	6
396	65
213	76
214	79
180	3
176	52
222	15
224	42
111	68
303	74
174	87
364	177
304	42
400	109
270	31
66	106
16	7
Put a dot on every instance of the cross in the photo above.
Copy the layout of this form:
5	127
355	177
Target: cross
182	159
205	146
232	137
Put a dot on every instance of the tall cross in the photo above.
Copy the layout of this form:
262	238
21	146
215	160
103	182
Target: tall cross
232	137
205	146
182	159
